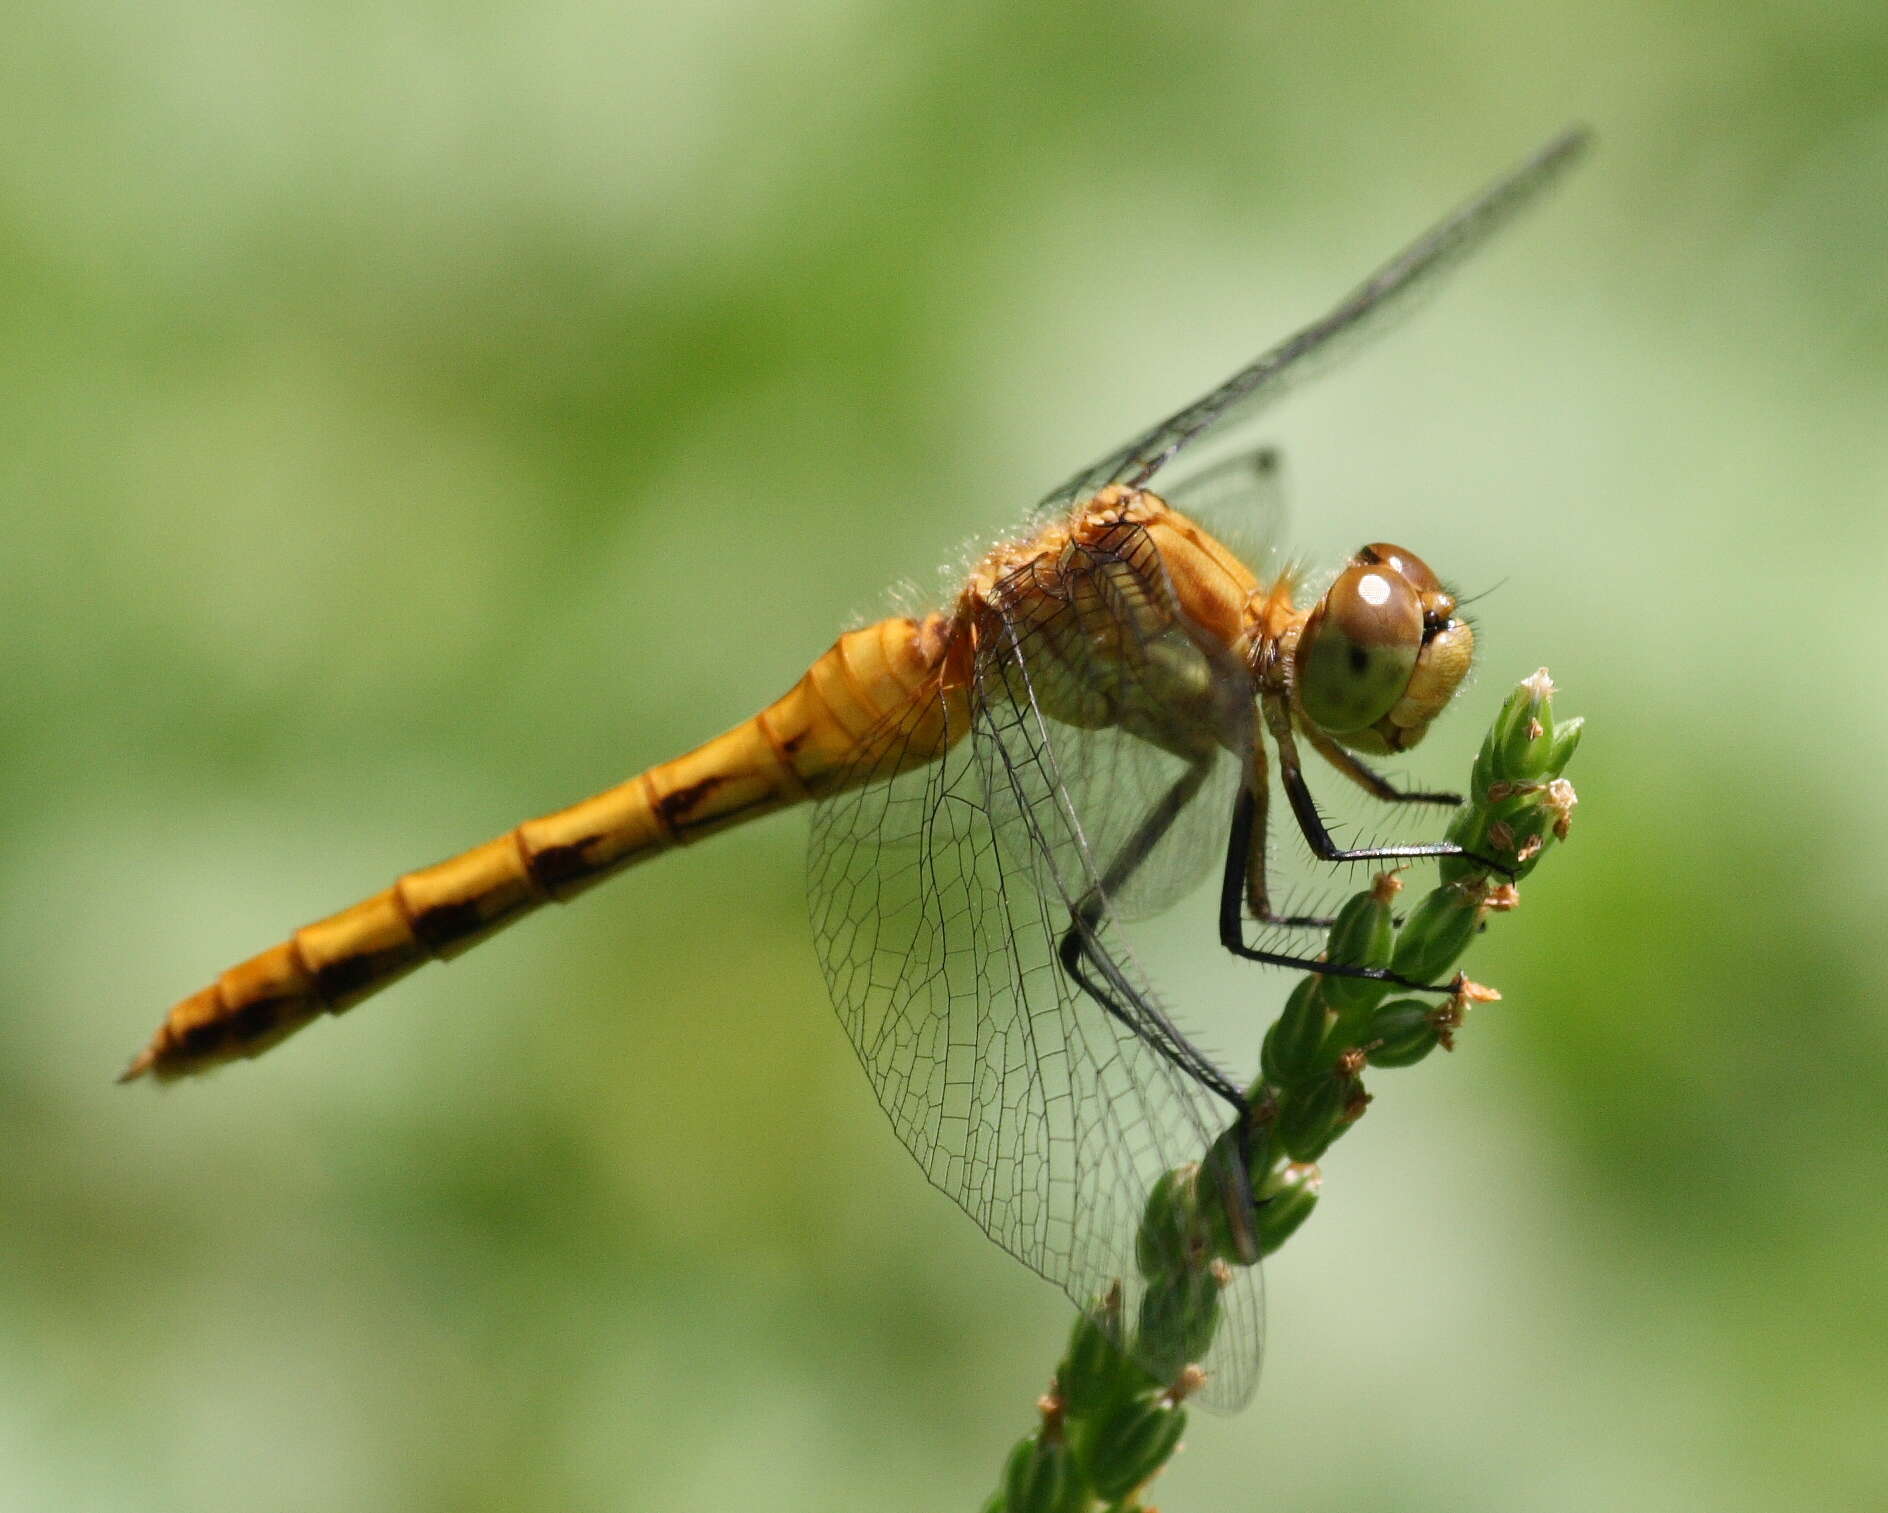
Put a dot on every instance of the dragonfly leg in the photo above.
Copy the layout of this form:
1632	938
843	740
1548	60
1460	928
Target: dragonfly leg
1257	896
1311	824
1239	849
1123	1002
1369	779
1089	965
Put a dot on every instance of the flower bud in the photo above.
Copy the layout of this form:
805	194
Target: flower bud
1404	1031
1293	1194
1483	772
1522	747
1179	1313
1361	937
1291	1051
1096	1370
1566	741
1310	1116
1169	1237
1132	1442
1436	932
1041	1476
1469	829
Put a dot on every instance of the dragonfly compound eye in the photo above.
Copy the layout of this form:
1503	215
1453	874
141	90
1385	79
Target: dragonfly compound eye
1401	560
1359	648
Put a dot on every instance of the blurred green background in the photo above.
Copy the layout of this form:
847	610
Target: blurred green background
419	416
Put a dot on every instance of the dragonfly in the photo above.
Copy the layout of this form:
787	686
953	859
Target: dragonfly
998	788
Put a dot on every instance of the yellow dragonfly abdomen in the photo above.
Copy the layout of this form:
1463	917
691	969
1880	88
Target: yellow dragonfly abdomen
887	677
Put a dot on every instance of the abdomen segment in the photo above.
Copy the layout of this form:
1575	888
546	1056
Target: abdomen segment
885	678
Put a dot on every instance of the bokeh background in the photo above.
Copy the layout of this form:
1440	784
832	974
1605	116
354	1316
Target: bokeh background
417	416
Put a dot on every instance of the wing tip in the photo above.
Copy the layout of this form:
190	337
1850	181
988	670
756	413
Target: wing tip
1559	154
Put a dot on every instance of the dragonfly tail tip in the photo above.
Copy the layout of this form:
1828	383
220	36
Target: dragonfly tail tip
140	1064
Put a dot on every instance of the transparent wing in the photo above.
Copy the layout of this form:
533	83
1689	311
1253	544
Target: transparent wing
1072	800
940	898
1391	288
1242	503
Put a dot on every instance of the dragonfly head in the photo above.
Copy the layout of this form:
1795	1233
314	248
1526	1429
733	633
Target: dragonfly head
1382	653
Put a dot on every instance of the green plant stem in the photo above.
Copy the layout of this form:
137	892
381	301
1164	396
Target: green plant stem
1113	1417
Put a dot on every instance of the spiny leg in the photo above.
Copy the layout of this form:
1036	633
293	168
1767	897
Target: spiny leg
1258	899
1232	893
1120	998
1247	839
1122	1001
1368	778
1311	824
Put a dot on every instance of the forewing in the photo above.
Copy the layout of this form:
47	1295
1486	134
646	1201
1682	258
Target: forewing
1071	800
1392	288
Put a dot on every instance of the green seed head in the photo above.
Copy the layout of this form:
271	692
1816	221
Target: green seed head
1403	1032
1039	1476
1096	1371
1310	1116
1436	932
1287	1202
1170	1237
1362	937
1131	1442
1291	1053
1178	1316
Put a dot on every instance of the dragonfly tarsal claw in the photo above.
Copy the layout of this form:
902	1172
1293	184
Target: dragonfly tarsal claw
1504	869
